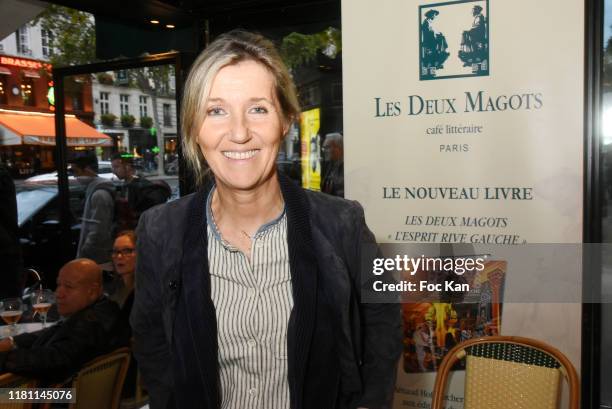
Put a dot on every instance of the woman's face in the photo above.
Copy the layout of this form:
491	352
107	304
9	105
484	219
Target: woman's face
124	255
243	126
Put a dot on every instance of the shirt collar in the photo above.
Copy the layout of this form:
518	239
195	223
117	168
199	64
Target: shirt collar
213	226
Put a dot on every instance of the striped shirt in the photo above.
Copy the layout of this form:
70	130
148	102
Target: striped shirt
253	301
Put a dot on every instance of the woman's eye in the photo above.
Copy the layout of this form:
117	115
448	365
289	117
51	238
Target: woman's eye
215	111
259	110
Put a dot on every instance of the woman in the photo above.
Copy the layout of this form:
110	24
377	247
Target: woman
124	261
246	290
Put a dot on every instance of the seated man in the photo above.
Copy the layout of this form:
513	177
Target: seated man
87	328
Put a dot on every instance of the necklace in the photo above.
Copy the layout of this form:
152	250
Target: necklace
246	234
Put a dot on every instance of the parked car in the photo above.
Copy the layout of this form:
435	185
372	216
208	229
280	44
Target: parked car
42	243
104	171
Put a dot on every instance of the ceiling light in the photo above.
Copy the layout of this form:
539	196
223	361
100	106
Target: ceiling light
169	25
154	21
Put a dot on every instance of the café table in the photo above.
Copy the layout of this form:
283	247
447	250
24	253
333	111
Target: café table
23	328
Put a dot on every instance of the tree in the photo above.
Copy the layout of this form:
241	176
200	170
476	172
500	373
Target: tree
298	49
73	35
154	82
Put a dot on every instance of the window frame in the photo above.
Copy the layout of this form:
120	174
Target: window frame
104	102
124	104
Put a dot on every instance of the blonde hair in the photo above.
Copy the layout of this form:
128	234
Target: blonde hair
227	49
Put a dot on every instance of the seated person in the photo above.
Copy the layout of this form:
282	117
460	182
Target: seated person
124	262
87	329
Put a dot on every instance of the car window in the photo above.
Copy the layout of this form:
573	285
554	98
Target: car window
31	201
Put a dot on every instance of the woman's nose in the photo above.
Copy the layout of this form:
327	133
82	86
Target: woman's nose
240	132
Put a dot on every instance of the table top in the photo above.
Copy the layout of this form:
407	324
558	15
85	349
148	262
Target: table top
23	328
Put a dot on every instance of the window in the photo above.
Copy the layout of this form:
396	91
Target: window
167	115
143	106
165	88
3	91
124	104
27	92
46	38
22	39
104	103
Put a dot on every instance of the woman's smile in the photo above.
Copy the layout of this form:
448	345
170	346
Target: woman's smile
240	155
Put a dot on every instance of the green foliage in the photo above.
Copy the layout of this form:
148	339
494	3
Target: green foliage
105	78
127	121
298	49
73	32
146	122
153	80
108	119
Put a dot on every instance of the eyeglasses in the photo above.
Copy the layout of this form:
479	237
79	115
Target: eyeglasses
122	252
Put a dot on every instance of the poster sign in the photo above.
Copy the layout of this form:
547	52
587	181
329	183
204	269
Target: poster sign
431	329
310	141
463	126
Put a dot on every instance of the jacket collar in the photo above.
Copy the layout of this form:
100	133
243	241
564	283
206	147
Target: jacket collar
195	330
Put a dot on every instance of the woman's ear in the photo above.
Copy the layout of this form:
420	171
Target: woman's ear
287	125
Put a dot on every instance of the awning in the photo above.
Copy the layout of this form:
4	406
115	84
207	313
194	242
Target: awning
31	74
18	128
5	71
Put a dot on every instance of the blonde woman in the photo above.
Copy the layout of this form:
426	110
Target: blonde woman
247	290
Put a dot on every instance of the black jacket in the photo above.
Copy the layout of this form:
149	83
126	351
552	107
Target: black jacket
341	353
57	352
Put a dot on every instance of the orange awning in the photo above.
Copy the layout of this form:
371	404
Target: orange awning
31	128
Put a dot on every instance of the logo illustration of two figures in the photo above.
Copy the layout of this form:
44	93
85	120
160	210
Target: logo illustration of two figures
473	52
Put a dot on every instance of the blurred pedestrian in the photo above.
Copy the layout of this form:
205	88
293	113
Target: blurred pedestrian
137	193
333	156
97	222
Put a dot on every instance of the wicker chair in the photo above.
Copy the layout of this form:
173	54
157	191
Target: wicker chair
9	380
503	372
98	384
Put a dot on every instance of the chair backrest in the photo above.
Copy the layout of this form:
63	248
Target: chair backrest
10	380
98	384
504	371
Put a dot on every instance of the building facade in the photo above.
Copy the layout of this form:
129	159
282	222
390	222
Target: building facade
142	123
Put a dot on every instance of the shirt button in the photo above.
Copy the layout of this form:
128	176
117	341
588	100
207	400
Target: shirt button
253	392
251	292
251	343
